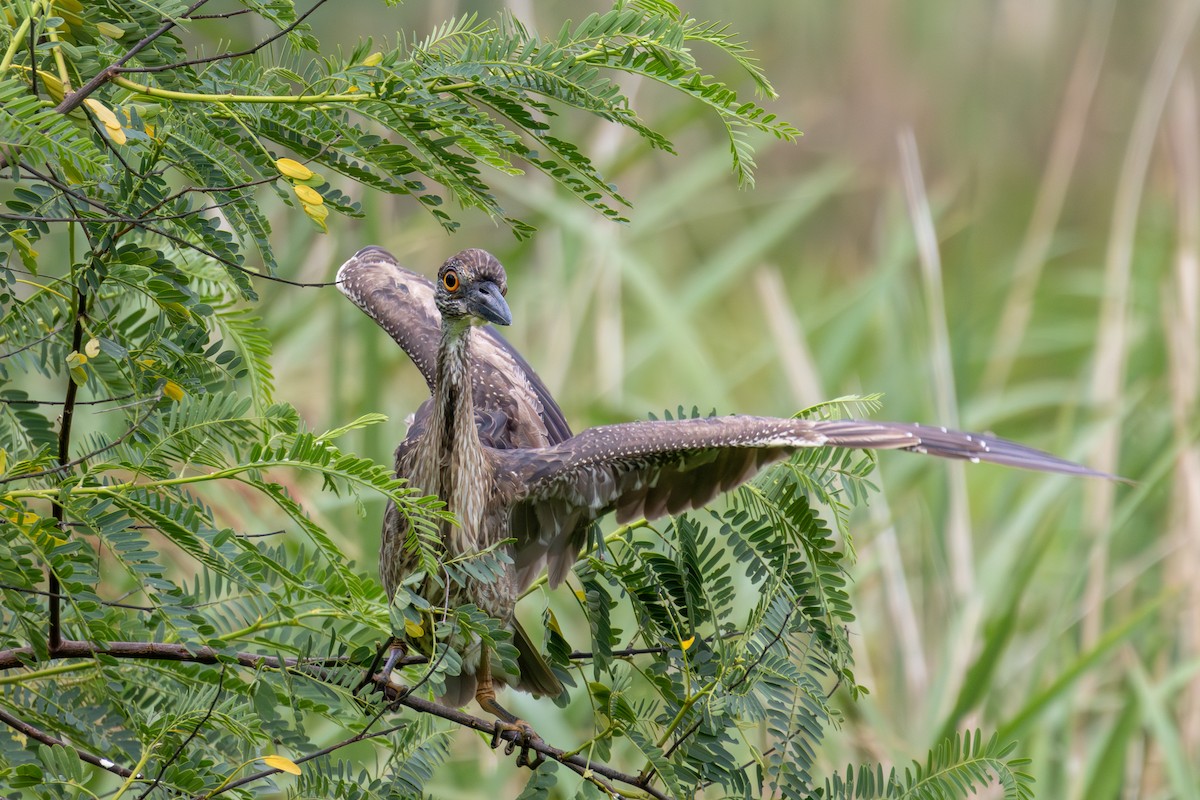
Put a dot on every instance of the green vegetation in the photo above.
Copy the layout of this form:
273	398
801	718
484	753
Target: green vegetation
1024	261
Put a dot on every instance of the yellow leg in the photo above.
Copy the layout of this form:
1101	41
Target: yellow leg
485	695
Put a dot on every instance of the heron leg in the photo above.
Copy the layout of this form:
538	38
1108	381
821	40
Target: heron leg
396	649
485	695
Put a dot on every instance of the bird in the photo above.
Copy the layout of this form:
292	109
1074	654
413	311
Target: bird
493	445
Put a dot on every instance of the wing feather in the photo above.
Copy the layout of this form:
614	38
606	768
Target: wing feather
650	469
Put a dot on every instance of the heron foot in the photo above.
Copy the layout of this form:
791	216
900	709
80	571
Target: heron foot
396	649
525	739
508	721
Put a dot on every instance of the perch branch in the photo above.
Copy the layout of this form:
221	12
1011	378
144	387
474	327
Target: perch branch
315	668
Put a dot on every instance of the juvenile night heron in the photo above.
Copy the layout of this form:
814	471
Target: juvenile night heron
492	443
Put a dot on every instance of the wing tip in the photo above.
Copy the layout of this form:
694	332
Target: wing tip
371	252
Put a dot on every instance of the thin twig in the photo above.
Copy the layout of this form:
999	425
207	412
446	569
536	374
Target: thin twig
34	343
191	62
159	232
66	465
135	222
109	603
223	15
118	399
195	731
324	751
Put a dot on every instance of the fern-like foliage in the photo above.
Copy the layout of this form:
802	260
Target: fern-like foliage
148	641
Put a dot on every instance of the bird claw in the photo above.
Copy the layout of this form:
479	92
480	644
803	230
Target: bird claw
524	739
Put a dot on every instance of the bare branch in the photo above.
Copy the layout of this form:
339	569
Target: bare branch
74	99
41	736
191	62
60	402
315	668
66	465
196	730
34	343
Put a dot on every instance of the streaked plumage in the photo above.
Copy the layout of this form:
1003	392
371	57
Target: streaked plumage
519	473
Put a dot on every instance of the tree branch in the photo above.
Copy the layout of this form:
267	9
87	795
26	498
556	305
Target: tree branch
74	99
64	455
191	62
41	736
66	465
589	770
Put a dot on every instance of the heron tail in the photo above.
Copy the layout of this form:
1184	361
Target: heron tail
536	676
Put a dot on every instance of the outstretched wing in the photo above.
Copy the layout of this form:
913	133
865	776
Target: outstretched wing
514	408
649	469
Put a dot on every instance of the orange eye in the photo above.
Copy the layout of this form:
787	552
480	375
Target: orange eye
450	280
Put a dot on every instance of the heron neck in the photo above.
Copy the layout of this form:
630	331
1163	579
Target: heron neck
455	414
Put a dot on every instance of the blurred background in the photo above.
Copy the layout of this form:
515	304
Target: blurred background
993	218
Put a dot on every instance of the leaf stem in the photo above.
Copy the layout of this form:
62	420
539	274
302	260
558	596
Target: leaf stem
199	97
18	36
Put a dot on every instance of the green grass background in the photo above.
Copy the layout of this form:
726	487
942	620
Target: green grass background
993	218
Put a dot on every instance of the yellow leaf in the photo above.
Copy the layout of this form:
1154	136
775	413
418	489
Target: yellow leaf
414	629
282	764
146	362
579	593
173	390
54	87
102	113
23	518
687	643
552	622
373	59
117	134
3	461
308	195
92	348
109	30
317	214
293	169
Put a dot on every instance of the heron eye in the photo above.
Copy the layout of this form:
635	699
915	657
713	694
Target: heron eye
450	280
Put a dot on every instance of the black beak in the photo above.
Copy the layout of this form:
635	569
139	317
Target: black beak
489	304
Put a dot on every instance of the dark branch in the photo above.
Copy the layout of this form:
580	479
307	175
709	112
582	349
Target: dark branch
576	762
64	453
74	99
18	657
191	62
60	402
41	736
316	668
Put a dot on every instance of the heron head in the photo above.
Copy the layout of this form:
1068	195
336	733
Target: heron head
471	286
